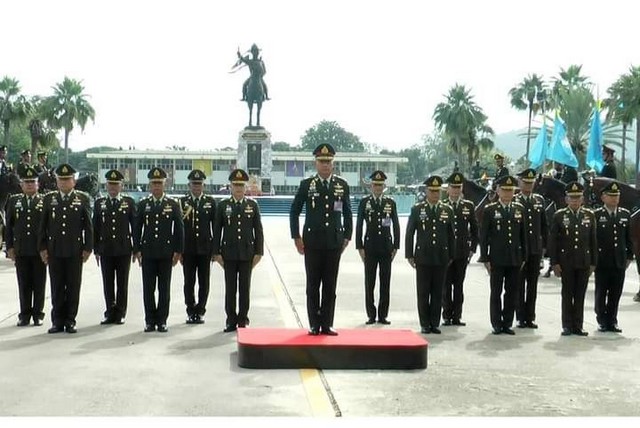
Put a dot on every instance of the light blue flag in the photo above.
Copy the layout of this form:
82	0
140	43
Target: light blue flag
594	149
538	152
560	150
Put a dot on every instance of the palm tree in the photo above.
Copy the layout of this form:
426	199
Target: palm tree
530	95
13	105
627	90
569	79
460	119
67	107
41	134
618	111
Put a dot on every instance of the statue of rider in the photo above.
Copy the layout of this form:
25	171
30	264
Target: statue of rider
258	70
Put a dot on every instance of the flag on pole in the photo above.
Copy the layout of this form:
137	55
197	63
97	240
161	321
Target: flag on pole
594	149
538	152
560	150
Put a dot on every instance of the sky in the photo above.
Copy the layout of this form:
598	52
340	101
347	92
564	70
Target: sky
158	72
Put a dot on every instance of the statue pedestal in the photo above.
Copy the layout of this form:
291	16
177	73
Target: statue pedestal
254	156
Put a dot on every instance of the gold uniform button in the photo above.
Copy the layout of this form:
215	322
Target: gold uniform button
113	236
326	224
63	232
239	230
326	206
28	233
156	235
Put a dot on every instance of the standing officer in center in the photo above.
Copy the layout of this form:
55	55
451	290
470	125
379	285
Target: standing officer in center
158	242
537	233
503	250
113	217
573	251
198	214
326	233
466	230
24	213
381	242
66	240
431	224
238	246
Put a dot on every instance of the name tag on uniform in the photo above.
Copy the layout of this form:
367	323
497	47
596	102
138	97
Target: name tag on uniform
386	222
337	206
603	219
497	215
147	208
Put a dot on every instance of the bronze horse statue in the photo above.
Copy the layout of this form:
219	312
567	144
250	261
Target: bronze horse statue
254	90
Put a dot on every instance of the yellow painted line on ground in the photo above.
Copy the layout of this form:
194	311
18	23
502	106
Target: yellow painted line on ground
314	388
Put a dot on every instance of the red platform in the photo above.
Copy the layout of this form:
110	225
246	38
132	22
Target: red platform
278	348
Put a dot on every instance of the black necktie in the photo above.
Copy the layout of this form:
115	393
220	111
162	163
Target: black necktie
28	201
196	201
325	184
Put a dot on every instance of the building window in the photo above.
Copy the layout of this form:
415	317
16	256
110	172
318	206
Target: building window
110	164
223	164
347	166
183	165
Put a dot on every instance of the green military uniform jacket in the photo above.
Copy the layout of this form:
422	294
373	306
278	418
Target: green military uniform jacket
572	239
613	236
199	221
328	217
158	229
237	232
66	229
383	228
503	237
23	221
465	227
113	226
536	222
435	241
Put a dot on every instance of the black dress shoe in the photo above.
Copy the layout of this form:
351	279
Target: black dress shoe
229	328
328	331
458	322
119	321
106	321
602	328
149	328
55	329
496	331
71	329
614	328
579	332
191	319
314	331
37	322
566	332
507	330
447	322
199	319
521	324
162	328
436	330
384	321
425	330
370	321
22	323
531	324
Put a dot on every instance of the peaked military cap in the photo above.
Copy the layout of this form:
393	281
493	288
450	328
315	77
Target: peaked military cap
611	189
456	179
574	189
28	173
324	151
65	171
196	176
506	182
378	177
114	176
156	174
238	176
24	152
434	182
528	175
608	149
498	156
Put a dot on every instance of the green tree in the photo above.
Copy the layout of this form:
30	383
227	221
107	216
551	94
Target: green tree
463	124
529	95
331	133
620	112
41	135
568	79
281	146
68	107
13	105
